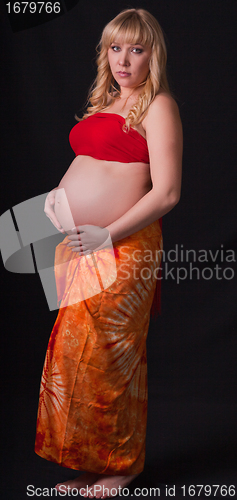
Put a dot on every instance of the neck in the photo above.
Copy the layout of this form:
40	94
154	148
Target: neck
126	93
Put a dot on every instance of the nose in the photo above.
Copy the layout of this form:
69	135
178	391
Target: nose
123	58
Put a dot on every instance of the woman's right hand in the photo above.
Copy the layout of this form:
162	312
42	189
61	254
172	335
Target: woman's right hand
49	210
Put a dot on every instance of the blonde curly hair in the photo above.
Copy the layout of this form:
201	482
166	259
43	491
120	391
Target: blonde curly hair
132	26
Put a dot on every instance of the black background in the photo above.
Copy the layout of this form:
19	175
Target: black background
47	71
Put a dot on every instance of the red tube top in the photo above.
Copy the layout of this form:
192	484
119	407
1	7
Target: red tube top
102	137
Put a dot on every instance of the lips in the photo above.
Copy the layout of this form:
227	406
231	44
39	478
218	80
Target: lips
123	73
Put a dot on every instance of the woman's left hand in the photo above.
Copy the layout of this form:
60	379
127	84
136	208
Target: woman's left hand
85	239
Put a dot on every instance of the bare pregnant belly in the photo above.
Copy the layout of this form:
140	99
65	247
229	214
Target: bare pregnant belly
98	192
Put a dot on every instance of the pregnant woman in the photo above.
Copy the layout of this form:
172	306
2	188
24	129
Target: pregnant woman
125	177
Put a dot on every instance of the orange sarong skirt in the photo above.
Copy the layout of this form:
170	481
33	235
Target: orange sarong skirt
92	411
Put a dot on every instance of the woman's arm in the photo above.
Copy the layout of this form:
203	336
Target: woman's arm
165	143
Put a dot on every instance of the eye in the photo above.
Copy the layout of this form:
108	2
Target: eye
137	50
115	48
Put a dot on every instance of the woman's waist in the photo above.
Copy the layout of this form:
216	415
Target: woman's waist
150	235
153	230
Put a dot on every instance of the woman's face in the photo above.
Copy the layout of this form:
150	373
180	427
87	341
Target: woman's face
129	63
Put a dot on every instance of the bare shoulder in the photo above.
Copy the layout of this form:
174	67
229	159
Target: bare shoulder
164	131
163	106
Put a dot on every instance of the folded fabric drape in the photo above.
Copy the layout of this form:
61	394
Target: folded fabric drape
93	398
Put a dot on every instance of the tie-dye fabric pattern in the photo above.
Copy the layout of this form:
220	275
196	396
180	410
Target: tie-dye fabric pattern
93	397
